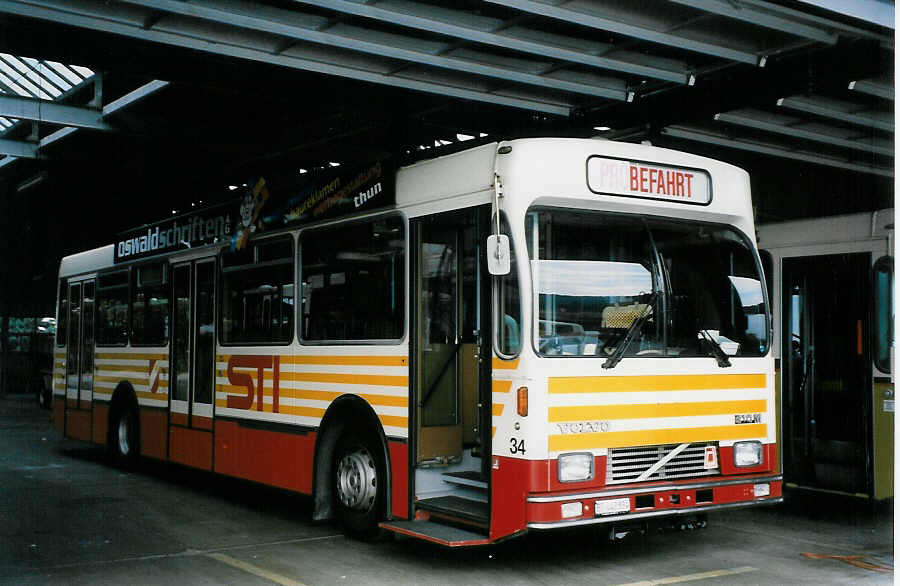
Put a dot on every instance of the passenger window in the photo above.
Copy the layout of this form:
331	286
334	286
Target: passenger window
884	312
509	312
150	305
112	309
258	294
353	281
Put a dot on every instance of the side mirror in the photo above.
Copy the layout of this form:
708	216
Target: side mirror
498	254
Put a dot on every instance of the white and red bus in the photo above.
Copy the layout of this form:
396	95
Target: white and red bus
526	335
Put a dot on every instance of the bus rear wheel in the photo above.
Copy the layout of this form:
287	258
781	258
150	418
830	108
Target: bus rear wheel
123	437
359	484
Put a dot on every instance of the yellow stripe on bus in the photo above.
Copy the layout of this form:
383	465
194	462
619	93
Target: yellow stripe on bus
123	367
115	379
350	379
497	409
374	399
129	356
148	395
621	439
671	382
583	413
346	360
500	364
501	386
394	420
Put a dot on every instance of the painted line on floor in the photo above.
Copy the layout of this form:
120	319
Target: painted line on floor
192	552
255	570
692	577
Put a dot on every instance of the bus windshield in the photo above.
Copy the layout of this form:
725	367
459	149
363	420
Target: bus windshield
616	285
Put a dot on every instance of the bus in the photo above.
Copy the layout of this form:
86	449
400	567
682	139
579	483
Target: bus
832	292
525	335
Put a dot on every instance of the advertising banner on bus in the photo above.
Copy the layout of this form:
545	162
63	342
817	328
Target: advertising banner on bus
261	205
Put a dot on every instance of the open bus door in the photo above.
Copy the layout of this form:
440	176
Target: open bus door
826	372
451	349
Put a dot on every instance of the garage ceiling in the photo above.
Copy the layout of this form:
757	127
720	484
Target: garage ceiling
179	99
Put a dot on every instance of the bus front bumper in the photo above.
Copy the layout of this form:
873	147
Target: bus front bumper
633	503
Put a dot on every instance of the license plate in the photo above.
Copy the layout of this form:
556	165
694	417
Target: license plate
612	506
760	490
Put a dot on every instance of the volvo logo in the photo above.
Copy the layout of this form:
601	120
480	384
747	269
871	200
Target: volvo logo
583	427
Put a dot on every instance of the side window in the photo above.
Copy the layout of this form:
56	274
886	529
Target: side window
258	293
884	312
353	281
62	313
112	309
508	317
150	305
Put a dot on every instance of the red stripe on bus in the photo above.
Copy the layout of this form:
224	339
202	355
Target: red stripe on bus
275	458
191	447
154	423
101	422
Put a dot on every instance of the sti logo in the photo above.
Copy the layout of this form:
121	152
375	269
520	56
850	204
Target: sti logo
254	393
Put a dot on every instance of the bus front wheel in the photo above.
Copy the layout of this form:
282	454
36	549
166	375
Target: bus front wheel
359	484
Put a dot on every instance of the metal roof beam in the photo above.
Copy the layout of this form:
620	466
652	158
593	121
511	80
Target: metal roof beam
135	96
275	21
719	139
600	17
455	23
839	110
51	112
797	128
764	15
873	87
18	148
194	35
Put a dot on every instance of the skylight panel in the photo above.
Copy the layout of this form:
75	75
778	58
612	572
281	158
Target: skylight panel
13	86
64	71
40	81
83	71
47	71
22	81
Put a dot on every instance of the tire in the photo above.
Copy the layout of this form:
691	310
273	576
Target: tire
43	397
123	437
360	484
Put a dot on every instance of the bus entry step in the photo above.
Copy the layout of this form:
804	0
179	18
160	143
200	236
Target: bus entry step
454	507
436	533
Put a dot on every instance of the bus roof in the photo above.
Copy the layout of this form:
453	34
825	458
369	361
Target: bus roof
86	262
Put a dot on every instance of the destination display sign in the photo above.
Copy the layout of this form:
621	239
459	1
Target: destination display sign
262	206
648	181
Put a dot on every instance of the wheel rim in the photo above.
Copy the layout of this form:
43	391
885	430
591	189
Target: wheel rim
124	444
357	480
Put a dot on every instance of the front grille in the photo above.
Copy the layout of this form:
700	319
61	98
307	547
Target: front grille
628	464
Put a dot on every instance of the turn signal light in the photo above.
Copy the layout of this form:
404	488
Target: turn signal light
522	401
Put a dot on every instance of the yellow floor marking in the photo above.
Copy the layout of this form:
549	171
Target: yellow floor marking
691	577
255	570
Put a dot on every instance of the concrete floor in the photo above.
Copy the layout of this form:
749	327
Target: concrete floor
68	517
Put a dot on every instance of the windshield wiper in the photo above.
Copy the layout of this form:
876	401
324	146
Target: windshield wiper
717	352
632	331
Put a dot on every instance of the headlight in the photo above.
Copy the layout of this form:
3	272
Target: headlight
575	467
747	454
